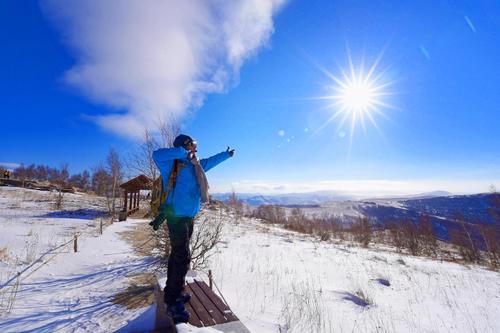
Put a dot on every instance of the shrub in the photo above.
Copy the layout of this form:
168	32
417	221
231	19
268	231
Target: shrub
270	214
465	241
362	231
411	239
207	234
396	235
299	222
427	237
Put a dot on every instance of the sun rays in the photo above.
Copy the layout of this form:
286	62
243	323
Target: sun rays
357	96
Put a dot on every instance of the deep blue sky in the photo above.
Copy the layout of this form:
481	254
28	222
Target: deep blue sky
443	56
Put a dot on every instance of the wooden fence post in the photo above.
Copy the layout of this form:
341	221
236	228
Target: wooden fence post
75	244
125	201
210	278
100	226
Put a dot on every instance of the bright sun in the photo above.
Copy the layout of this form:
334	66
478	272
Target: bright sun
357	95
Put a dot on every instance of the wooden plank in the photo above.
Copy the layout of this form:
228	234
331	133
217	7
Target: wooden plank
200	310
162	319
205	307
193	319
223	308
211	308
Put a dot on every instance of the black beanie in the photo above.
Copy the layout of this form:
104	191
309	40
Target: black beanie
182	140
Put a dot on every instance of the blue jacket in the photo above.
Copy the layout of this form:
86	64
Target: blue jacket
185	196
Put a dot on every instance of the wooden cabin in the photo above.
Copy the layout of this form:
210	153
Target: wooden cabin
131	194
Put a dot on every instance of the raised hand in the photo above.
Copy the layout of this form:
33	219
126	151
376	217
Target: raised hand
230	151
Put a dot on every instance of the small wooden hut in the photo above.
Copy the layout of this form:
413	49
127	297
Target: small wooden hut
131	195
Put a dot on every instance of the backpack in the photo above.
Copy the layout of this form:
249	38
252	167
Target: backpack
158	195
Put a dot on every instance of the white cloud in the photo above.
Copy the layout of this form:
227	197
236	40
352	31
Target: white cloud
155	59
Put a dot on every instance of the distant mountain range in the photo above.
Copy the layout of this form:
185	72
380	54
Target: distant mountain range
445	212
442	208
312	198
288	199
424	195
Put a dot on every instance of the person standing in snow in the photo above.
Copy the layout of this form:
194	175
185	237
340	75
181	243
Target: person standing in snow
186	185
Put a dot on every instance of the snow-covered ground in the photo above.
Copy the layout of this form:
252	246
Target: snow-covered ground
274	280
77	292
29	225
73	292
281	281
107	286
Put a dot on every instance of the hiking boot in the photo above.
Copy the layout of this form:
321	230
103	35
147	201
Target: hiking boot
167	325
178	313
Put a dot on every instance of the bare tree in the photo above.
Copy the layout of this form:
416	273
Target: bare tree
465	241
327	226
168	129
427	236
490	232
411	237
61	181
362	231
207	234
100	180
396	235
31	172
298	221
161	243
236	205
20	173
141	160
41	172
114	170
270	214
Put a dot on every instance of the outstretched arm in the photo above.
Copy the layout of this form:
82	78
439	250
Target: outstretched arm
209	163
163	155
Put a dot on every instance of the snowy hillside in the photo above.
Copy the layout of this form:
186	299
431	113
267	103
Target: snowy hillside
443	211
280	281
472	207
29	225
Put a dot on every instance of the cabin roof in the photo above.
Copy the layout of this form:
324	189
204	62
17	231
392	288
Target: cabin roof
138	183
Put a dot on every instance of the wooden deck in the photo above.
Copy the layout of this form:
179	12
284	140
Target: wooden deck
206	308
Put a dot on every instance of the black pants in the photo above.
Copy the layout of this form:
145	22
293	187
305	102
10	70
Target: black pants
180	230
